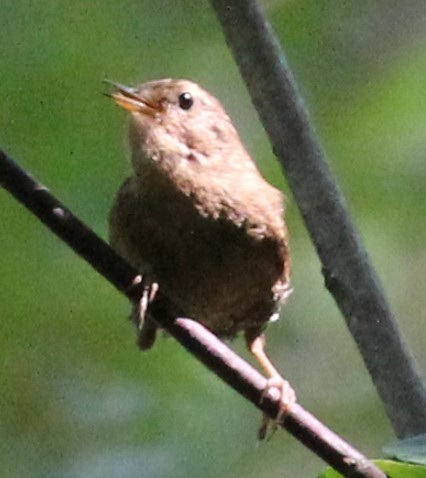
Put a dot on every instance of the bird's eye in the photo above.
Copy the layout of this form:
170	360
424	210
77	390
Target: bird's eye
186	101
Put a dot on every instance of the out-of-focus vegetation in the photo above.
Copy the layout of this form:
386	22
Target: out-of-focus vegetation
77	397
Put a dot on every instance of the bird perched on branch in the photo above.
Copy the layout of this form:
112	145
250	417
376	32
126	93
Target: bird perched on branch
197	218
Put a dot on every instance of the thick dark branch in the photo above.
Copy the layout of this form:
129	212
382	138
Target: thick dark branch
193	336
348	273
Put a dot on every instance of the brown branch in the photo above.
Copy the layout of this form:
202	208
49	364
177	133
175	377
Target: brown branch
219	358
348	272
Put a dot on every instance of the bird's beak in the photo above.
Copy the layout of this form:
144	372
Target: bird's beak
133	100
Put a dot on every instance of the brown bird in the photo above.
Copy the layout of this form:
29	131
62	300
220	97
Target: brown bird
198	219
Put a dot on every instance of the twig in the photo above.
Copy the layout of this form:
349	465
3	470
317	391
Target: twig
349	274
193	336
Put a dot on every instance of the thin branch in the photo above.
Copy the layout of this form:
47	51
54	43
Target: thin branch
213	353
348	272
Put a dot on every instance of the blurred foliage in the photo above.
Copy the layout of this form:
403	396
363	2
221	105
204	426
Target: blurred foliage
412	450
77	398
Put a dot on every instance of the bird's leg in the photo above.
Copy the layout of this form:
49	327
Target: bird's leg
146	326
256	344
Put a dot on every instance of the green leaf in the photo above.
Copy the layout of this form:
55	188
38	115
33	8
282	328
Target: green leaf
394	469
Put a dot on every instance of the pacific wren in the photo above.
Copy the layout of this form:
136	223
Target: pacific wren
198	219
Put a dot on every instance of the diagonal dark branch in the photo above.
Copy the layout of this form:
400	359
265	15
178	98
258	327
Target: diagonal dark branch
219	358
348	272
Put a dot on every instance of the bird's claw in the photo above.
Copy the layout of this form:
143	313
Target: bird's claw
148	295
287	398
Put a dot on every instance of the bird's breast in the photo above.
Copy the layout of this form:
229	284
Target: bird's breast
207	263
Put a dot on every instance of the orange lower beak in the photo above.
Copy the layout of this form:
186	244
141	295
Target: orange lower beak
130	99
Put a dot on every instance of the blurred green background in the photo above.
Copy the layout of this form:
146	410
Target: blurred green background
77	397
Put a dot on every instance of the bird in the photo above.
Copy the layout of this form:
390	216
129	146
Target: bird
198	219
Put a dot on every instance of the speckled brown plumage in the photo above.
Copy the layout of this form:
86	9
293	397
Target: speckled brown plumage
196	215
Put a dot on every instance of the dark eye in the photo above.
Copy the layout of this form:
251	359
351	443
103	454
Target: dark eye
186	101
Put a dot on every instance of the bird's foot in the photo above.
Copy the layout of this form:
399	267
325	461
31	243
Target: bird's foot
287	398
148	295
146	327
